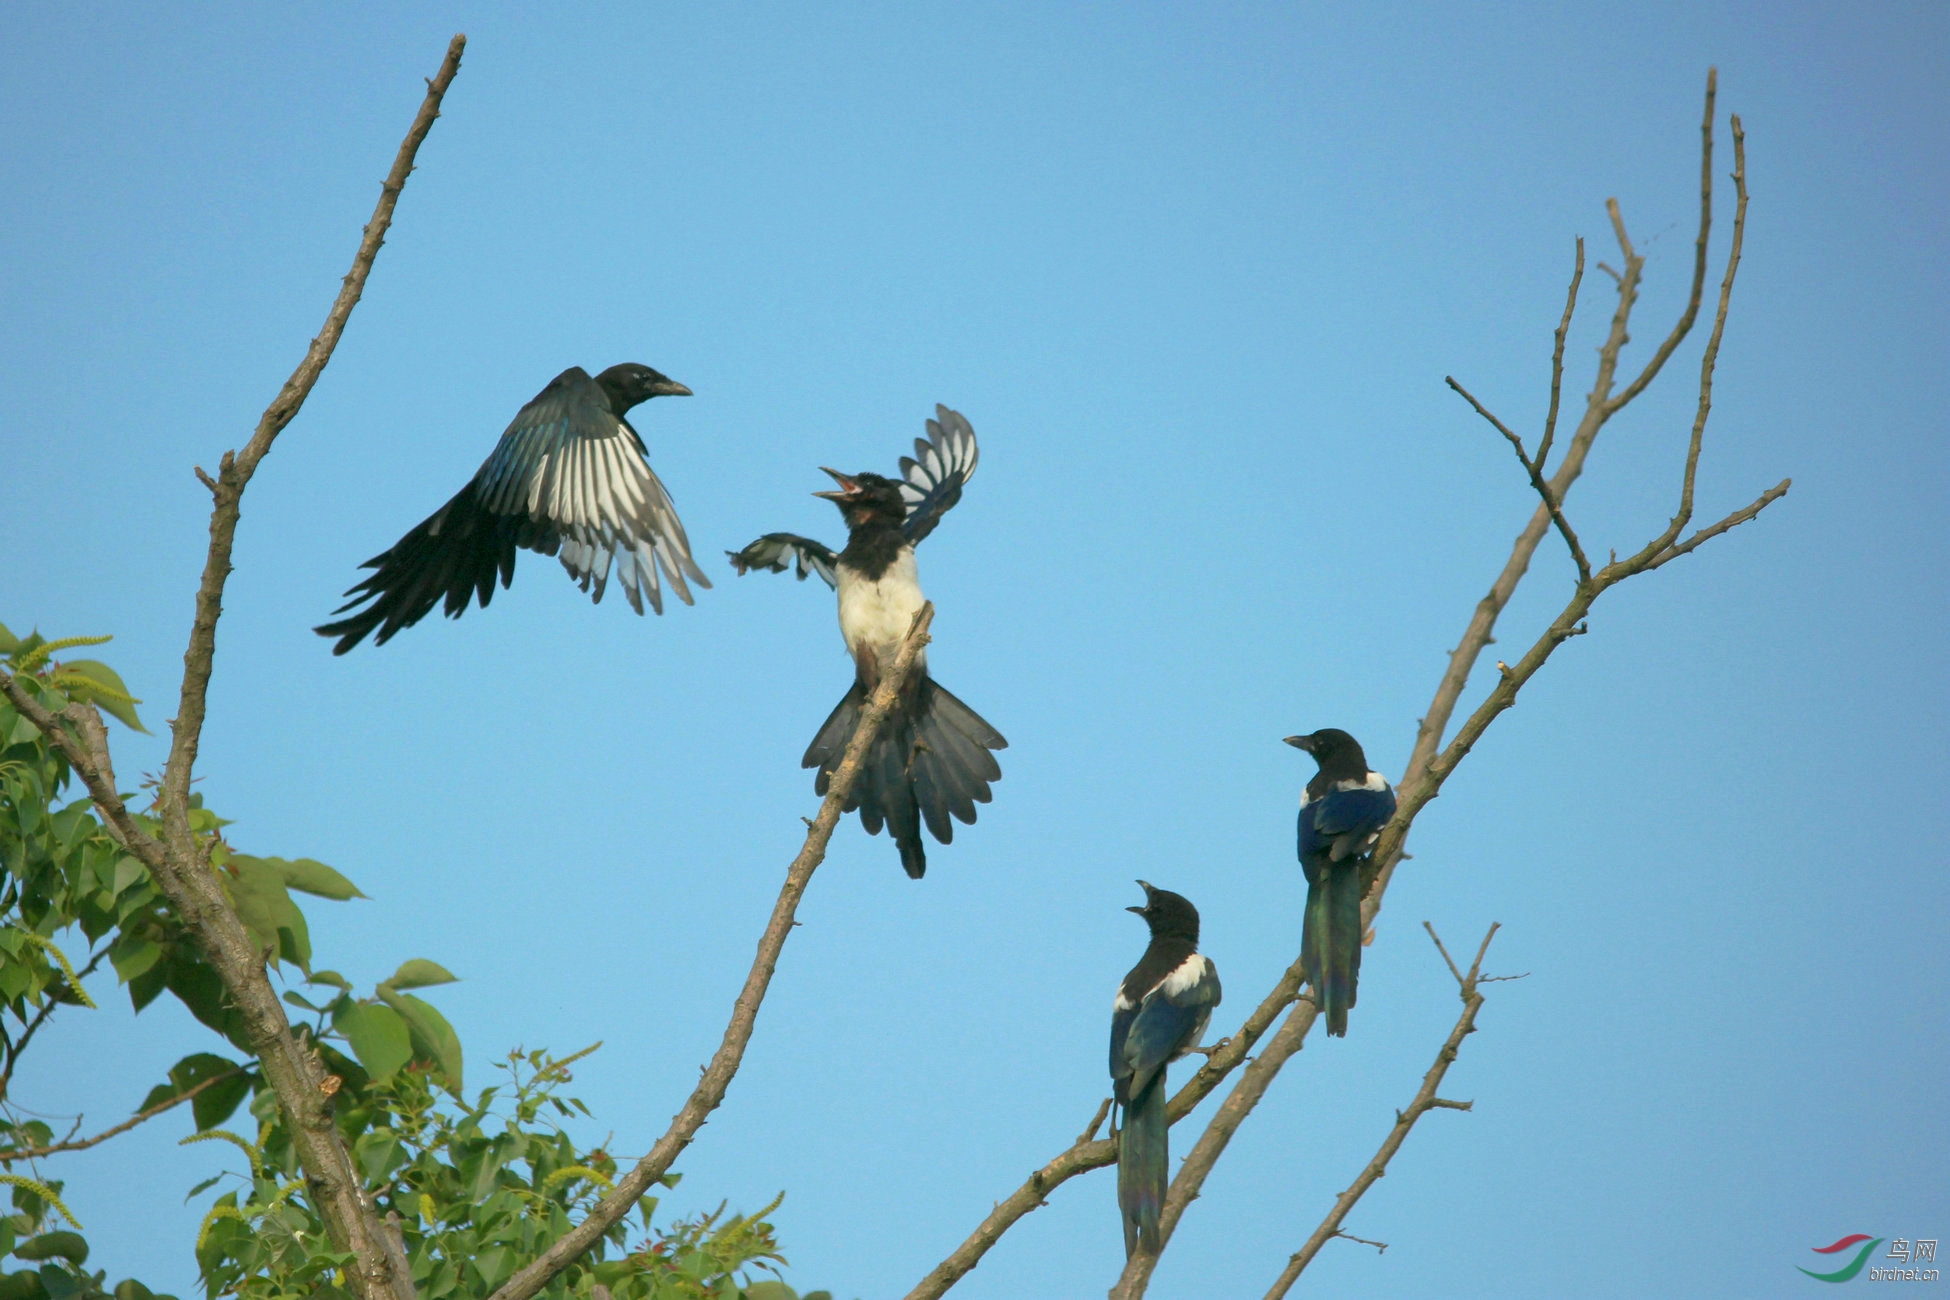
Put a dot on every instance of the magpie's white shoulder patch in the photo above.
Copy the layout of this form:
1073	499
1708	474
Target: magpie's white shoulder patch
1373	781
1120	1002
1188	973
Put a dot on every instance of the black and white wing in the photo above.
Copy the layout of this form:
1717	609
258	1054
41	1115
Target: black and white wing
777	552
932	478
568	478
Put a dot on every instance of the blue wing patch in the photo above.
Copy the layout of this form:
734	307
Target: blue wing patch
1343	823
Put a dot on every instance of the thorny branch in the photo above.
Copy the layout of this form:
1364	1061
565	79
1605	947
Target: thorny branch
1431	762
177	861
710	1089
1425	1101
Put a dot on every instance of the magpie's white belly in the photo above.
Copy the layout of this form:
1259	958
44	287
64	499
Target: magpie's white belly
875	615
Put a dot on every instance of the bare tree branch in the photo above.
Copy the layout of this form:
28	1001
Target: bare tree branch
1425	1101
1088	1152
1430	762
177	861
710	1089
35	1153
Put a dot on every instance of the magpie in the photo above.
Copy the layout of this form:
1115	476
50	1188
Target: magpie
1160	1012
1344	809
569	476
932	756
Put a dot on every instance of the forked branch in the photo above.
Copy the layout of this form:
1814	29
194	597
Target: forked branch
1425	1100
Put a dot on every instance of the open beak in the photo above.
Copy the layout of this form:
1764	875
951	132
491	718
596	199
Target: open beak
1149	890
669	388
1301	742
848	487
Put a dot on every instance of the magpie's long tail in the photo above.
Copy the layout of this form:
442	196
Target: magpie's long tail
1143	1168
930	763
1330	944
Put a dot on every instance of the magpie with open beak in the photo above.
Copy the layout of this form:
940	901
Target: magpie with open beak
569	477
1341	815
931	759
1160	1012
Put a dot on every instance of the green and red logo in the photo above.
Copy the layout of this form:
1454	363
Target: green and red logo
1851	1268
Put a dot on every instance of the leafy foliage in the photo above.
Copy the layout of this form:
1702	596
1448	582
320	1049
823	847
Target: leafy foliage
478	1189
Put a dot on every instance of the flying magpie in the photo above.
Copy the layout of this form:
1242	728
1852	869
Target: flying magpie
1344	809
1160	1013
932	757
569	475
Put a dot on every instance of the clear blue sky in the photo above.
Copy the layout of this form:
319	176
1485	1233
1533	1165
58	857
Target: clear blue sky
1195	274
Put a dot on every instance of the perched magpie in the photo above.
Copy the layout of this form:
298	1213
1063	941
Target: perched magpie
1345	808
570	475
1160	1013
932	757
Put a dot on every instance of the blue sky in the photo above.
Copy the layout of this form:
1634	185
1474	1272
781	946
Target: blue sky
1195	274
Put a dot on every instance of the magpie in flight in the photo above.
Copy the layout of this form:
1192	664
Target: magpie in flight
570	476
1160	1013
931	757
1343	812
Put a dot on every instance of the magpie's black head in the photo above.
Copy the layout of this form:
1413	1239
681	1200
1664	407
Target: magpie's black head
630	383
1338	753
866	498
1170	916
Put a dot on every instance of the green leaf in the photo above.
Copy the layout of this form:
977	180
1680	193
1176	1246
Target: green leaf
379	1037
101	686
312	877
376	1152
216	1103
128	870
420	973
8	641
276	925
189	1072
203	1186
432	1035
50	1245
331	977
132	959
770	1290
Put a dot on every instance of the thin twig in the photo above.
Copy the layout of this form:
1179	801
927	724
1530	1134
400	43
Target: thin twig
1557	358
717	1076
35	1153
1425	1101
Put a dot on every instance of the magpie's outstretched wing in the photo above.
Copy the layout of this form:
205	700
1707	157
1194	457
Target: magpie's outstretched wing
932	478
568	478
777	552
1168	1022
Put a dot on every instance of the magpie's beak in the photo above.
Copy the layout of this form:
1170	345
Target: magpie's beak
848	487
669	388
1301	742
1149	890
